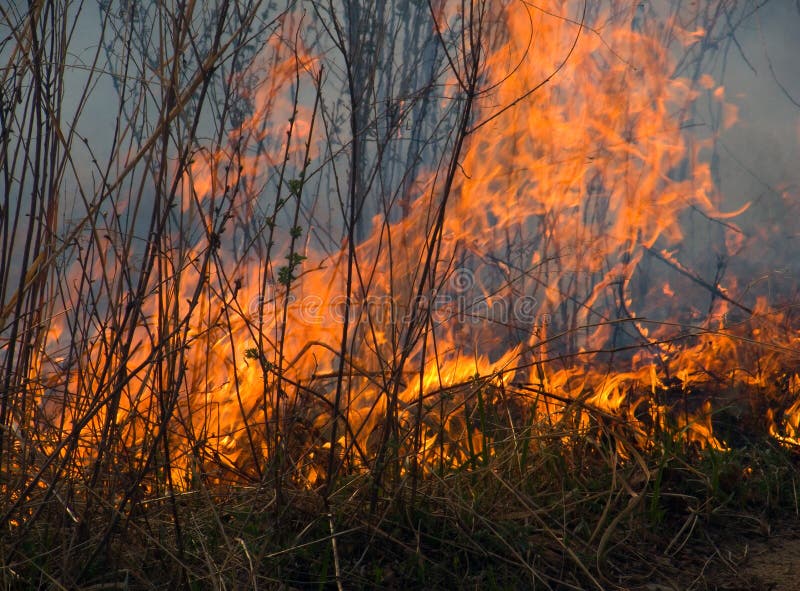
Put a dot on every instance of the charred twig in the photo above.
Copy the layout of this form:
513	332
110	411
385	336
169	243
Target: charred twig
698	280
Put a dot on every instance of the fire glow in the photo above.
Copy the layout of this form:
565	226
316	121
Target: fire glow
550	275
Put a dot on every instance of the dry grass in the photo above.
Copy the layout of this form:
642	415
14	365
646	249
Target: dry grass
579	508
126	341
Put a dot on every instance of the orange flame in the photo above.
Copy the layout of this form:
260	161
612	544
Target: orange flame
563	197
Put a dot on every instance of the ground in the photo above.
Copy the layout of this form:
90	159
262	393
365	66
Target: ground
772	563
768	560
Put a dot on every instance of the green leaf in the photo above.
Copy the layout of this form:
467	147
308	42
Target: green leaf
295	186
285	276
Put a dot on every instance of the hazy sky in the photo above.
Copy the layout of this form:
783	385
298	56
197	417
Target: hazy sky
760	151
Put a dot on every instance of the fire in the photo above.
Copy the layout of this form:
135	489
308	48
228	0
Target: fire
542	292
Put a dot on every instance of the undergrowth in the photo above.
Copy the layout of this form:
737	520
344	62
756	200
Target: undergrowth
576	510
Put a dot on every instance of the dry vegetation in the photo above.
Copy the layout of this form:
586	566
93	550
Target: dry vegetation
372	295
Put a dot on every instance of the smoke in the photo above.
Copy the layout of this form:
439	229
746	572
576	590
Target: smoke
757	158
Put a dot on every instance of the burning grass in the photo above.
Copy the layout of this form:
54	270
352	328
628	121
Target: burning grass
462	303
575	503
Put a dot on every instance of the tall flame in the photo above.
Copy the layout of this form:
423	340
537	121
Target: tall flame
545	290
